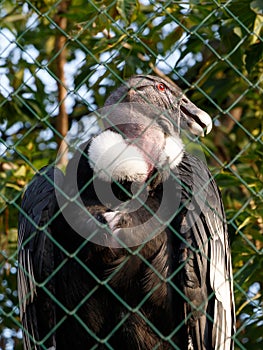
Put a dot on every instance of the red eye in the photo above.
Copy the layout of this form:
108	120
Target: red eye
161	87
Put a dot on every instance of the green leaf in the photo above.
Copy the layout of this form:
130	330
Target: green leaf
226	179
127	9
242	10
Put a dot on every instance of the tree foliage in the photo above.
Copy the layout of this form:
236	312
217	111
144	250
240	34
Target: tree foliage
213	50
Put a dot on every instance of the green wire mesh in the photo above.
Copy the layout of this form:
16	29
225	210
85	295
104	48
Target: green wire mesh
212	49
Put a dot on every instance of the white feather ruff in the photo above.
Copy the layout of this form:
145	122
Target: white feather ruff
173	151
112	158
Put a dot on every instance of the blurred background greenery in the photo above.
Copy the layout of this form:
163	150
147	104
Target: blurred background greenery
59	60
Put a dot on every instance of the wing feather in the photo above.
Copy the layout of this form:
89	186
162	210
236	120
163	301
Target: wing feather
206	274
35	257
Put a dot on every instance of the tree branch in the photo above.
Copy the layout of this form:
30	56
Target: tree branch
62	123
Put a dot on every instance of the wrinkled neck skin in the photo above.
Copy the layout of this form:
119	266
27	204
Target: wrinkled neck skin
134	153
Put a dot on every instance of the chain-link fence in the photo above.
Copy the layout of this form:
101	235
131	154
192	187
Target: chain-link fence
60	61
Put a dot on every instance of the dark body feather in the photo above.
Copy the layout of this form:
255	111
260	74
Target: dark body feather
162	294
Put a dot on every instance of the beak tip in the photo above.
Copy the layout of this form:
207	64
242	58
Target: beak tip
208	123
208	128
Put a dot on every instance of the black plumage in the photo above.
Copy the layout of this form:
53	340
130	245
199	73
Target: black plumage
169	284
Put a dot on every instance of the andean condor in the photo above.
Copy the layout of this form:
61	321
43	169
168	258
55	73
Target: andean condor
129	249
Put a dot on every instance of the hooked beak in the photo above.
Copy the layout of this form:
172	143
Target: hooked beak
195	119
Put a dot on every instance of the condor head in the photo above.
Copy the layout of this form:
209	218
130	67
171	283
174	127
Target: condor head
144	118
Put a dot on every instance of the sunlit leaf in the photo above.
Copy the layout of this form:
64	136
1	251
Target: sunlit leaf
21	171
